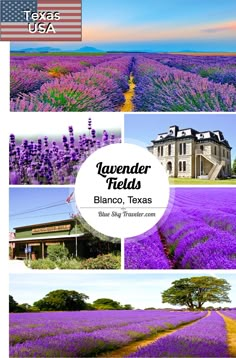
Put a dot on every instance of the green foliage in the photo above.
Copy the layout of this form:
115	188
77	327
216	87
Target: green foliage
207	72
127	307
85	63
62	300
107	304
234	167
24	307
41	264
195	291
19	308
57	253
102	262
13	305
70	264
90	307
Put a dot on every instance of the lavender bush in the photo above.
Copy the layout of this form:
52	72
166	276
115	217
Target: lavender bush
145	253
42	162
164	82
86	333
197	233
161	88
206	338
74	84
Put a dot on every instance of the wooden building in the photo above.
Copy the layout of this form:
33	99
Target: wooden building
35	239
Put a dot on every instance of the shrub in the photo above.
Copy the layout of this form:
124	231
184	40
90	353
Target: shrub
57	253
102	262
72	264
41	264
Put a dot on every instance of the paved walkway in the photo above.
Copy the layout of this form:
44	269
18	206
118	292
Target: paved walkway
18	266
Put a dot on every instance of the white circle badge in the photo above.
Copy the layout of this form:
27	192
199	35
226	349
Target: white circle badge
122	190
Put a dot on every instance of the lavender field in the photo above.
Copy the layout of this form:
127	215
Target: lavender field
162	82
54	162
87	333
198	231
205	338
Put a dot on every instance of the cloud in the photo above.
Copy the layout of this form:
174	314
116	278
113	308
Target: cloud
231	26
112	32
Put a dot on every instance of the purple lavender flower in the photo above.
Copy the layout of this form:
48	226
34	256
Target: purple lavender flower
43	162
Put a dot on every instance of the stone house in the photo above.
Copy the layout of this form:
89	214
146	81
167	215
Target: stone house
187	153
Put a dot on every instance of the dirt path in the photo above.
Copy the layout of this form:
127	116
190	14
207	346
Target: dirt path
134	346
128	104
166	250
231	333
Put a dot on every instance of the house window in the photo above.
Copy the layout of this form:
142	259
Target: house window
223	152
180	149
158	151
169	149
180	166
215	151
201	148
184	148
162	151
184	166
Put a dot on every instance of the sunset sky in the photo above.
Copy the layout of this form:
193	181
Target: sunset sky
151	25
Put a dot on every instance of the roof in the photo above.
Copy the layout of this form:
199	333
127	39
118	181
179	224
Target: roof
60	222
35	239
175	133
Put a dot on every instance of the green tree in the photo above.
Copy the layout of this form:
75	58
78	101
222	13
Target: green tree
62	300
13	305
234	167
90	307
107	304
57	253
127	307
194	292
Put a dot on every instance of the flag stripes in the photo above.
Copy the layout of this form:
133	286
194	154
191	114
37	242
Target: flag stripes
15	28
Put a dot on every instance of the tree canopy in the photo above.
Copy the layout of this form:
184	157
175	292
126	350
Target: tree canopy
109	304
194	292
106	304
234	167
13	305
62	300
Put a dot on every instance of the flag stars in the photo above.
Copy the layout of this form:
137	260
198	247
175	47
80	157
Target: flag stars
13	11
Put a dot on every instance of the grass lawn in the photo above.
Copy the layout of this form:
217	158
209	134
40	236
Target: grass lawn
190	181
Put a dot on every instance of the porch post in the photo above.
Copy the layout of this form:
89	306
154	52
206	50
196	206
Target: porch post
76	246
42	249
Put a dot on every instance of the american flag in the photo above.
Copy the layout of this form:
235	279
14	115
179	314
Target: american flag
70	198
14	26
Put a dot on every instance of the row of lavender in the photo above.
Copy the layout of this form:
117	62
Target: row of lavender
64	86
162	88
206	338
198	231
97	83
146	252
29	73
45	162
220	69
82	334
